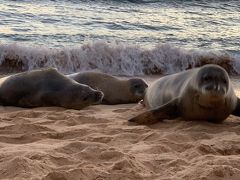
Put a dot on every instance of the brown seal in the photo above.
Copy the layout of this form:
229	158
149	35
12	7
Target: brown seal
203	93
46	87
115	90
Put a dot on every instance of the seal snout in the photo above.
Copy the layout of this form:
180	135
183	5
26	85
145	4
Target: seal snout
215	88
93	97
214	81
138	87
99	96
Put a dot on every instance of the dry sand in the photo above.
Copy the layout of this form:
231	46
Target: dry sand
53	143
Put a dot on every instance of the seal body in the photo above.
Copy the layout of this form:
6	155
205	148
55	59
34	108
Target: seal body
116	91
203	93
46	87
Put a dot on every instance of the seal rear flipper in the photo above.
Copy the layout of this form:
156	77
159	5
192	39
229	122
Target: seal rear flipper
236	111
167	111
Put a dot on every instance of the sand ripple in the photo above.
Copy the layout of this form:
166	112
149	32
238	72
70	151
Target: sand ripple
98	143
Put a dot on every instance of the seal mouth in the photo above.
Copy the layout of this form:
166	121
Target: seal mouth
206	107
210	102
139	94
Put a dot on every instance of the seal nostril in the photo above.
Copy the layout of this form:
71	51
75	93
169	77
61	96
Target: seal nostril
209	87
215	87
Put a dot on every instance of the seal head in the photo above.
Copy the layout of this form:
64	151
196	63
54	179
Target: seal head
213	85
78	97
137	87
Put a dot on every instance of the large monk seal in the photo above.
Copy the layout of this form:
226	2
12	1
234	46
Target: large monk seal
116	91
203	93
46	87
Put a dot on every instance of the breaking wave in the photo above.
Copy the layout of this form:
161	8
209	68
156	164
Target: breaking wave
113	58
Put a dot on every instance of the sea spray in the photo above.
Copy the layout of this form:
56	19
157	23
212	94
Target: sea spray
111	57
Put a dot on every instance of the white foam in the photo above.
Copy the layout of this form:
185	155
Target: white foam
113	58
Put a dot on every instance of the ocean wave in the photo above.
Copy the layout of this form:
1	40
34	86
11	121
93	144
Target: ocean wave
113	58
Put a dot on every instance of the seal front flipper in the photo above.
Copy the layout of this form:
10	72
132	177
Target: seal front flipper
236	111
167	111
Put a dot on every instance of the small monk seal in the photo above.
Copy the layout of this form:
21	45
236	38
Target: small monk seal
203	93
46	87
116	91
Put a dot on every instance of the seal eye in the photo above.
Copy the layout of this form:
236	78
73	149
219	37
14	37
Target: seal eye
86	98
207	78
224	81
136	86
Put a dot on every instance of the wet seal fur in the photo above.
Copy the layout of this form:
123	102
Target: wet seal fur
116	91
46	87
204	94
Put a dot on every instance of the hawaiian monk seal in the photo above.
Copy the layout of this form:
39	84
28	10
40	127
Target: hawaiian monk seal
46	87
116	91
204	93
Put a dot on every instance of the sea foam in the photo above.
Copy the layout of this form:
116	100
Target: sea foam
111	57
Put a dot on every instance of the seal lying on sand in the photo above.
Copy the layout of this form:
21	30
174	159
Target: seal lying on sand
46	87
116	91
203	93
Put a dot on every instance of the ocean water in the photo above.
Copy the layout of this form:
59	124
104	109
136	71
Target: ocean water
121	37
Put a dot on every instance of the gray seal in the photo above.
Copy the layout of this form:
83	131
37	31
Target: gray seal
204	93
115	90
46	87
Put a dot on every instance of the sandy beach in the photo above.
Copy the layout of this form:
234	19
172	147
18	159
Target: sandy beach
124	38
97	142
